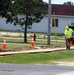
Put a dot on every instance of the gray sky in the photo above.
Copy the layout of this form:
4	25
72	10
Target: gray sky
58	1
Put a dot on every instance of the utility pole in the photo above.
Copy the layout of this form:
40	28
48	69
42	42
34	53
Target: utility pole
49	22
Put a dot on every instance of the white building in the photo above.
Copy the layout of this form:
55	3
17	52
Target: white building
64	15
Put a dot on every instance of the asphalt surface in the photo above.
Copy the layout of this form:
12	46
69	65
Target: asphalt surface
28	69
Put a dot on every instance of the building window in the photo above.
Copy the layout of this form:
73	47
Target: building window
56	21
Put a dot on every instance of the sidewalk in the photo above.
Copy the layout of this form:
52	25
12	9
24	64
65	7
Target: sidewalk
32	51
39	50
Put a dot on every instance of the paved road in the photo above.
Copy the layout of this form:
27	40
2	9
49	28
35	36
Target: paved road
19	69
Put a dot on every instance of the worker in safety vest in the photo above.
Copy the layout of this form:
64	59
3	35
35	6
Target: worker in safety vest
68	36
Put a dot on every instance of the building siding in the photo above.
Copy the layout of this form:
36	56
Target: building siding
41	26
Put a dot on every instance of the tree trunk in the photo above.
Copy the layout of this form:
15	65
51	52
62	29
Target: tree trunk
25	31
25	34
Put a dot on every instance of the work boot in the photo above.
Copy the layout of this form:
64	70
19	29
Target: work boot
67	47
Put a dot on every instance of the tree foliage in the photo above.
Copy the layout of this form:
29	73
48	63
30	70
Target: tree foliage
2	7
68	3
30	11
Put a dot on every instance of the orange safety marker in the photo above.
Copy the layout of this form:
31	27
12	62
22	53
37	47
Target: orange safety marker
32	44
4	45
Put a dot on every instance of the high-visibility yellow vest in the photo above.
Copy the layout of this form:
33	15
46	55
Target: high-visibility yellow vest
68	33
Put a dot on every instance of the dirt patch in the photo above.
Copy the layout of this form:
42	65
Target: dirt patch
64	63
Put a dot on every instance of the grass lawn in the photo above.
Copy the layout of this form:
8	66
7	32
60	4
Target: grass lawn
16	43
39	58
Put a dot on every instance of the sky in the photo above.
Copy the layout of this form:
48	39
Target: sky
58	1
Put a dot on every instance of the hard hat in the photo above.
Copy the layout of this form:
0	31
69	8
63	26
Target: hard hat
67	27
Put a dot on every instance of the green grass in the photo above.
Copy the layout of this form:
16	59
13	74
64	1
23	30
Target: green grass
39	58
16	43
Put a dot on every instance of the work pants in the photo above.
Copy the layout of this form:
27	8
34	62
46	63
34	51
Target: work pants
68	42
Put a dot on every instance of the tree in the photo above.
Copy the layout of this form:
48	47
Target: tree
3	7
31	10
68	3
1	4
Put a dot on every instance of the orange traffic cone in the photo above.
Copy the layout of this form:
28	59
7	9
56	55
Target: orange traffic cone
32	44
4	45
